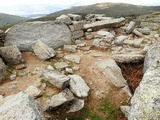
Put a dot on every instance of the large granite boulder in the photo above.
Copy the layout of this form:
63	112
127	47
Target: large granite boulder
21	107
152	54
117	22
11	55
43	51
145	104
50	33
3	70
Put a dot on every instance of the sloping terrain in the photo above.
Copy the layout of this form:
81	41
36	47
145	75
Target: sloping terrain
6	19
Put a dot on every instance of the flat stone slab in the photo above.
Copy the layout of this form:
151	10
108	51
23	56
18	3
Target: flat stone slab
72	57
111	70
128	56
105	23
61	65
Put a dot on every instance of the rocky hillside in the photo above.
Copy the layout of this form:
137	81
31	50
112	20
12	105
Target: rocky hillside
74	68
109	9
6	19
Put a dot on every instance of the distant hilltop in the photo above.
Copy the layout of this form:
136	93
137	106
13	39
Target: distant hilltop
6	19
109	9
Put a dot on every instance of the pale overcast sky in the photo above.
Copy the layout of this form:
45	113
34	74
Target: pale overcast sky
41	6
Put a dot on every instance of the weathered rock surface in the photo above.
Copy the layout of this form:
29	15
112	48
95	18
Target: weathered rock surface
128	55
2	38
111	70
21	107
119	40
78	25
25	34
125	110
75	17
11	54
77	34
151	21
59	99
56	78
43	51
130	27
77	105
105	23
64	19
72	57
135	43
145	103
33	91
3	70
78	86
70	48
151	55
61	65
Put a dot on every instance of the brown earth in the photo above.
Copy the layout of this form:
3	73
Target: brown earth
100	86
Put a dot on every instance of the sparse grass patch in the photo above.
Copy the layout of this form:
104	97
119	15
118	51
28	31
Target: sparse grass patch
108	110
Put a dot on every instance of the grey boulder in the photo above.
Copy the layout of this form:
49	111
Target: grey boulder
77	105
151	55
11	55
25	34
132	55
43	51
130	27
59	99
111	70
78	86
21	107
64	19
56	78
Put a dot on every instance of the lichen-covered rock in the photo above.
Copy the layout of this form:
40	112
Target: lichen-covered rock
25	34
152	54
145	103
11	55
43	51
21	107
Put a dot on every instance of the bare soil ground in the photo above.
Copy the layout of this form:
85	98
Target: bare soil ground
100	86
